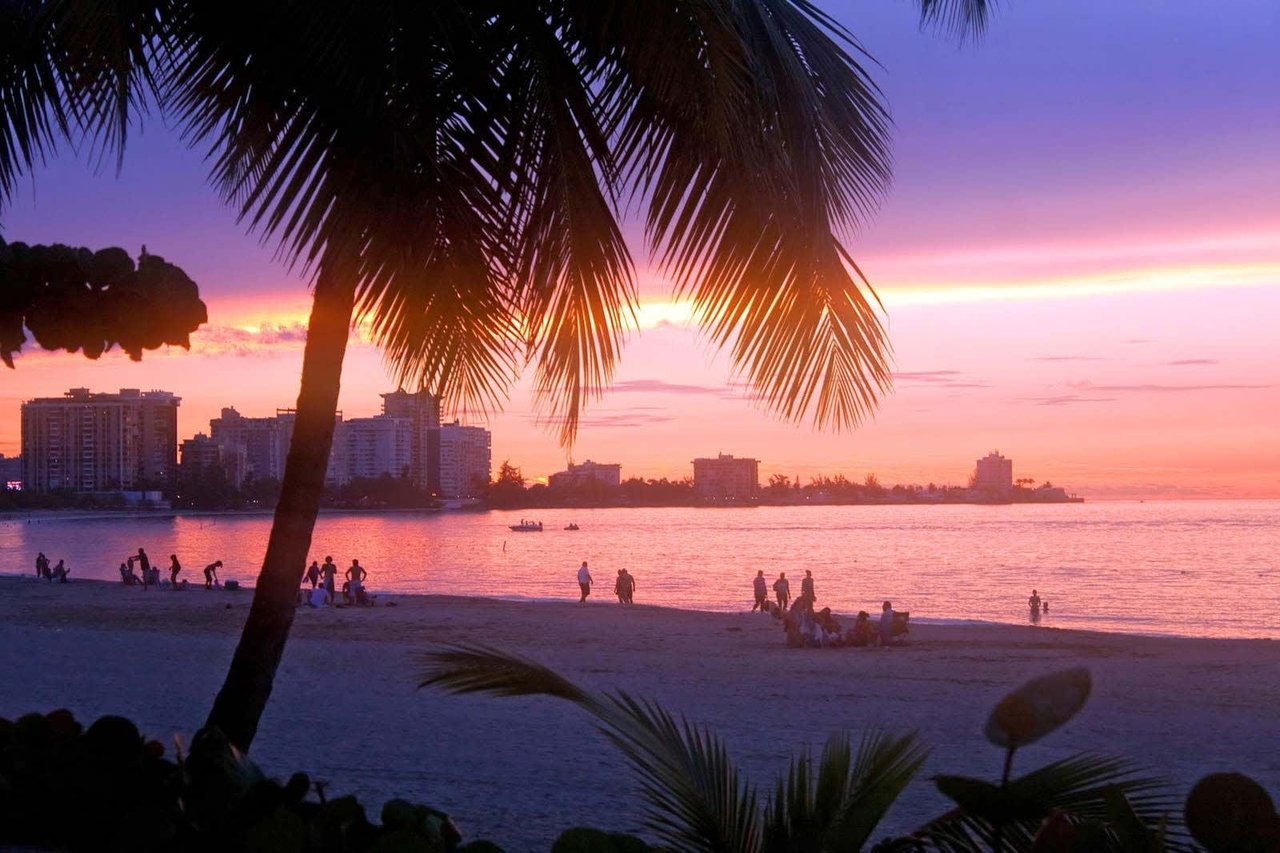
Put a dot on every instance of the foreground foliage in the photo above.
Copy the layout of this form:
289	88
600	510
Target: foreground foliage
107	788
697	799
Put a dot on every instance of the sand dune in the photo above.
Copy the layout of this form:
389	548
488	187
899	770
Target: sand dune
519	770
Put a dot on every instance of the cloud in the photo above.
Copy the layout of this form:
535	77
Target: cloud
935	379
623	420
1164	389
1136	341
1068	399
248	340
1068	358
659	386
1189	362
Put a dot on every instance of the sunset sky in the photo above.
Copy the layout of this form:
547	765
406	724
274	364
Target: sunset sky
1079	260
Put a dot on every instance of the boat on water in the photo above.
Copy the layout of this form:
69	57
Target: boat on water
527	527
571	526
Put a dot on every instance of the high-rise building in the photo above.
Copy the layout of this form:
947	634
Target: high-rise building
423	409
371	447
200	453
88	442
265	441
465	460
994	473
607	474
726	477
10	472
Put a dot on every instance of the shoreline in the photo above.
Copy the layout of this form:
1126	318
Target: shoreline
382	595
346	707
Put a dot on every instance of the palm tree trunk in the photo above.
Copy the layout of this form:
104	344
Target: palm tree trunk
244	694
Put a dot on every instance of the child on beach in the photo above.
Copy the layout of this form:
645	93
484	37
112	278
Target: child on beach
211	574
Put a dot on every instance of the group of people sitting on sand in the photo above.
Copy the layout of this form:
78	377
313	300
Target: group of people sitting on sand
806	627
51	573
148	575
324	579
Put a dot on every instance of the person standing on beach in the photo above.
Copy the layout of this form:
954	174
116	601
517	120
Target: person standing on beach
762	593
174	568
330	572
806	586
211	574
782	589
144	566
355	576
313	574
584	582
886	624
625	587
42	565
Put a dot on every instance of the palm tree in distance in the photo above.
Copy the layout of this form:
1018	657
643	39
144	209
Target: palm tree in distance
453	174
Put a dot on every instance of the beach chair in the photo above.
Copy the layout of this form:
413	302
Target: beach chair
901	627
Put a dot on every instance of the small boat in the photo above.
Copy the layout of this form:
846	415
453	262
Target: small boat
571	526
527	527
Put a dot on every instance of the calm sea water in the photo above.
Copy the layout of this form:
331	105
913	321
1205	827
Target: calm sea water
1199	568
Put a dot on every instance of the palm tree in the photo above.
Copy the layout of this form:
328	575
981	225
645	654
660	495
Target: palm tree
453	174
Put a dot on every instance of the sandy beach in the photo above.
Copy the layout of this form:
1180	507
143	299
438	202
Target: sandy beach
518	771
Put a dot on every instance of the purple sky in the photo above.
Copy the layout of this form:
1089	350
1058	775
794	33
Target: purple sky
1089	175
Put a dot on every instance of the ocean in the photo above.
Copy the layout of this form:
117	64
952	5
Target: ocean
1188	568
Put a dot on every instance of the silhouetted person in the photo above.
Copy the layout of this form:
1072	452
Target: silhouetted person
330	572
211	574
782	589
761	587
886	624
806	585
144	566
59	573
355	576
584	582
174	568
1033	604
313	574
42	565
625	587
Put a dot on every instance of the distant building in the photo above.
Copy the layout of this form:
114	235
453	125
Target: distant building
10	472
98	442
372	447
607	474
422	408
264	441
200	454
726	478
465	460
994	473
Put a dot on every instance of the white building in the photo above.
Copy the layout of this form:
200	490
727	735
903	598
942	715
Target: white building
607	474
726	477
994	473
465	460
371	447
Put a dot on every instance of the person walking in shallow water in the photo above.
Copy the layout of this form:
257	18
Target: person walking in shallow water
625	587
1034	604
761	587
782	589
584	582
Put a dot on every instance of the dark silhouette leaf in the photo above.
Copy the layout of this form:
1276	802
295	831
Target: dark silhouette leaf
1038	707
1231	812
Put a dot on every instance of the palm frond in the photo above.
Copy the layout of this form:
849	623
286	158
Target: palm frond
840	808
32	111
960	18
1079	786
697	799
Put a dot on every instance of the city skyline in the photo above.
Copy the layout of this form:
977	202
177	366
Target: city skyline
1089	289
